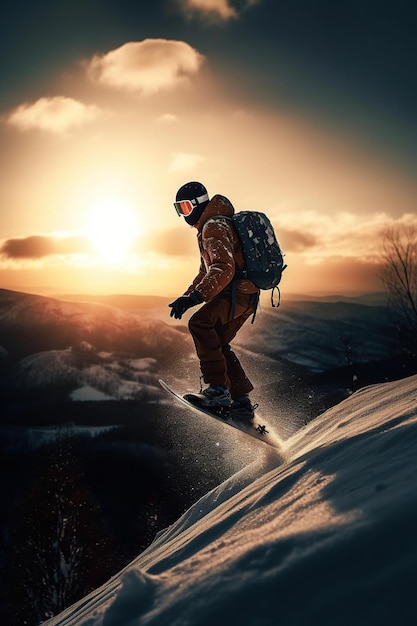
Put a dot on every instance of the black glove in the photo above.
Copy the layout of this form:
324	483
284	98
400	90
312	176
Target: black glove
183	303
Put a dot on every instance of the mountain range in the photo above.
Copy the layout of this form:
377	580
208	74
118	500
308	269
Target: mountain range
116	347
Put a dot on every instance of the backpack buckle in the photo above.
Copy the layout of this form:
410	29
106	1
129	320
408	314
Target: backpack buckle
278	299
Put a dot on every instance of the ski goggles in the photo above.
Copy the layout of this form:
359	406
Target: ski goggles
186	207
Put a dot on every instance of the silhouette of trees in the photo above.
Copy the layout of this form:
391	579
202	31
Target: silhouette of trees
399	277
58	544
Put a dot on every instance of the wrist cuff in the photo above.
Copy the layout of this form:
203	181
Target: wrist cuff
196	297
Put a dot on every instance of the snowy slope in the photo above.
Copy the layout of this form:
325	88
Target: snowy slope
322	534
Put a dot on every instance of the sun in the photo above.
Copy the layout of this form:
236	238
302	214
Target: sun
112	227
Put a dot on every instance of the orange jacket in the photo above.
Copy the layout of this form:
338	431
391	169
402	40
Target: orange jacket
220	251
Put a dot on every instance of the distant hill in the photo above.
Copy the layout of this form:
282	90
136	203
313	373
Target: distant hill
127	302
116	347
374	299
31	323
133	302
53	350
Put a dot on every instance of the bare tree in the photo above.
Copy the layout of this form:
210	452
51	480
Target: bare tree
399	277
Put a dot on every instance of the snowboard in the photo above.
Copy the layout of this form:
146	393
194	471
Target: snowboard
255	430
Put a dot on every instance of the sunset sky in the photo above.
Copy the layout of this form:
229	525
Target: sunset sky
304	110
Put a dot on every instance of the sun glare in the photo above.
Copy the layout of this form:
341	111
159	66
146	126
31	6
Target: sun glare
112	227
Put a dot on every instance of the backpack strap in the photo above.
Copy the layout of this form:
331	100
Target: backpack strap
239	275
254	301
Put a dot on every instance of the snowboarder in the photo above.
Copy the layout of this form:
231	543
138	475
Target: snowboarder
216	323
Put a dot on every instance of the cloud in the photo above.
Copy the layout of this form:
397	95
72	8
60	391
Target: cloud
57	115
184	161
297	241
146	66
40	246
167	118
338	274
173	243
222	10
345	235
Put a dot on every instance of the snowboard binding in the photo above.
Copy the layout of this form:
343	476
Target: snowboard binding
219	411
225	415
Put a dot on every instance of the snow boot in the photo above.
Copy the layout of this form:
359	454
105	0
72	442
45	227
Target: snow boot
242	410
215	398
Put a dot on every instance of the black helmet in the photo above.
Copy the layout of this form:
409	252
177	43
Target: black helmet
190	201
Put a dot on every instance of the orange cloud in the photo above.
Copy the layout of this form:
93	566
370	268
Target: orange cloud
57	115
40	246
184	161
343	235
168	118
175	242
343	275
220	9
146	66
296	241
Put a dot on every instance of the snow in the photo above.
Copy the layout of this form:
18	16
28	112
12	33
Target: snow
110	377
41	435
322	532
88	393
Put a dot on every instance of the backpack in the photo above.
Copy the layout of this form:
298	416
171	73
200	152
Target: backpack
264	259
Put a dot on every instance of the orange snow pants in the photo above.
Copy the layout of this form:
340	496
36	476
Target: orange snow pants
212	331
